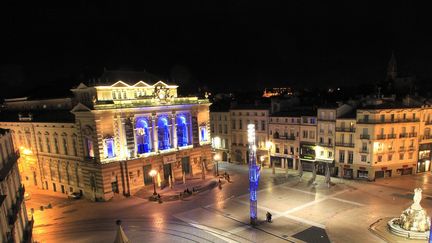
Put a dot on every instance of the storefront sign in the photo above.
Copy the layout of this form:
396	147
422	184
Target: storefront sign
362	168
404	166
169	159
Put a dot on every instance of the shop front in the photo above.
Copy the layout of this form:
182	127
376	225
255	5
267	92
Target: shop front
423	164
362	173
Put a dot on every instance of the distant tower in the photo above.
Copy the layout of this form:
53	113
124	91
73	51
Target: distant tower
392	68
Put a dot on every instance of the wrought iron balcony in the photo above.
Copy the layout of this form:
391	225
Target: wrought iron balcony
364	151
364	136
391	136
403	135
412	134
345	129
381	121
350	145
325	144
381	136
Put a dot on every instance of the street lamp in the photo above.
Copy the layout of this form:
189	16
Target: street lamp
216	158
269	146
153	173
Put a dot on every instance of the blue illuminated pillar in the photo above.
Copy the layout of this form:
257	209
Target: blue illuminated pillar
254	173
430	234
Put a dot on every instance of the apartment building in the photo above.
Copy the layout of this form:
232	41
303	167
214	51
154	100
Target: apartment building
345	146
425	139
241	115
14	224
386	140
221	132
284	137
325	149
308	139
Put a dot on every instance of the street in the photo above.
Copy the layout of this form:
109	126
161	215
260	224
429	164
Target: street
302	212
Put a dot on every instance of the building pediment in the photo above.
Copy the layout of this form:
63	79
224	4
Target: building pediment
80	108
120	84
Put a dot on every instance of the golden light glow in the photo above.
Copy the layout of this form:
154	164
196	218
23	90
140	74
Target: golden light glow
269	144
152	173
216	157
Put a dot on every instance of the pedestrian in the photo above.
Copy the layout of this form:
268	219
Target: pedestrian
269	217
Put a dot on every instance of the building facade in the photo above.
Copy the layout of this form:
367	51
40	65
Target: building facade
14	224
284	137
425	139
386	141
112	137
221	133
240	117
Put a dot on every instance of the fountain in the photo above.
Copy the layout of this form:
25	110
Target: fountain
414	223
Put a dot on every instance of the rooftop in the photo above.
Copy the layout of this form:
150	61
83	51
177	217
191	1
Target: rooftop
350	115
127	76
250	107
62	116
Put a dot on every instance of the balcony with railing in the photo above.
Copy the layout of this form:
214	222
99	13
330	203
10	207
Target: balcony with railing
403	135
364	136
402	148
328	145
340	144
429	122
381	136
345	129
382	121
288	137
412	134
364	151
411	148
427	136
391	136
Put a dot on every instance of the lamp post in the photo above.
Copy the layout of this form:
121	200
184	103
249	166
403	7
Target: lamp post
216	158
254	174
153	173
269	146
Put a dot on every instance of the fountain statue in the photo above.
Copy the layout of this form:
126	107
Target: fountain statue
414	223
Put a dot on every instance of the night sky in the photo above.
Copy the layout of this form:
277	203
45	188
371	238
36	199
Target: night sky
225	46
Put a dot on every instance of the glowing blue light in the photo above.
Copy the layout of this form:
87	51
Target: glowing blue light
163	133
182	131
142	136
109	143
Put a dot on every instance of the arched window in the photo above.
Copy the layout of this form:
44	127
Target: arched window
109	147
47	142
182	131
163	133
142	132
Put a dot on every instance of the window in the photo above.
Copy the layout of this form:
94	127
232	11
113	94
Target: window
142	135
392	117
220	128
321	140
305	134
330	141
74	145
363	158
47	141
164	136
382	118
203	132
379	158
225	129
366	119
330	154
342	156
389	157
312	121
56	148
322	153
240	124
410	155
364	146
263	125
65	148
311	134
109	147
233	124
89	144
40	143
401	156
350	157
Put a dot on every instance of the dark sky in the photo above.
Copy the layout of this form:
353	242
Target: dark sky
223	45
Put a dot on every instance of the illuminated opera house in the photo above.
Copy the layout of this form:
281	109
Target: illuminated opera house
107	137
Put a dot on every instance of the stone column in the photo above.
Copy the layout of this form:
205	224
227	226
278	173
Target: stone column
173	131
155	135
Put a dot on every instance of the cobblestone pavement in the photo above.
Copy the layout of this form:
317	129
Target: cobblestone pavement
302	212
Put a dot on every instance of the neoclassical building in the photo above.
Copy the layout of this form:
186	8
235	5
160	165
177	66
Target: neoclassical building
112	137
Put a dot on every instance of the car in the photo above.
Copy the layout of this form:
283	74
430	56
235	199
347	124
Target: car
74	195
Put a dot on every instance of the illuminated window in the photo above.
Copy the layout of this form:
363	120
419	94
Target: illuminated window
109	147
163	133
90	150
142	132
203	132
182	131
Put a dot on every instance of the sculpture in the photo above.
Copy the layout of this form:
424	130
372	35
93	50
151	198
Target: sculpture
414	222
